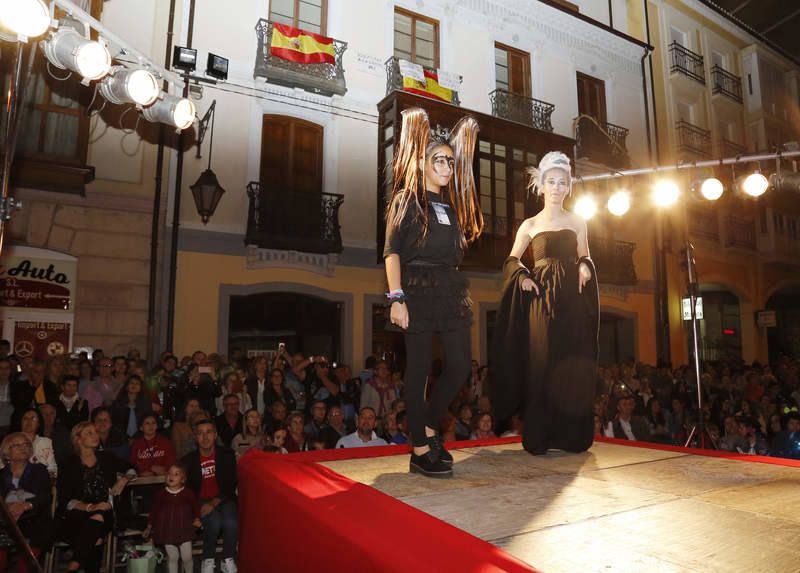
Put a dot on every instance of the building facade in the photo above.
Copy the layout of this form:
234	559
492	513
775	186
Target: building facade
292	252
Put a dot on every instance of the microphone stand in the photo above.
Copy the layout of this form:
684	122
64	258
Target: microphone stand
694	291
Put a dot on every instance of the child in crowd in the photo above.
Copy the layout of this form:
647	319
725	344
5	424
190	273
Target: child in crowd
173	519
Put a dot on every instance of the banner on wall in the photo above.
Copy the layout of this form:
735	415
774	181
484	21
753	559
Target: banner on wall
30	282
40	338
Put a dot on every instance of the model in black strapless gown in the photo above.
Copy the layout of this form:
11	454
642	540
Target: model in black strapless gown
545	346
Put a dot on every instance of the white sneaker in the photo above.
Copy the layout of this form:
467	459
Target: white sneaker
207	566
228	566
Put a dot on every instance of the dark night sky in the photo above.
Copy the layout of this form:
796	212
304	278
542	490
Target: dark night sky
778	20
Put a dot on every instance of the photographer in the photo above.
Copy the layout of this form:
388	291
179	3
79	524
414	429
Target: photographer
349	391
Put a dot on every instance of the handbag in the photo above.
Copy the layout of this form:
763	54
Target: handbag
144	559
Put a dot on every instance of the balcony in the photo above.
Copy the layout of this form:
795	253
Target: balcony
693	139
601	142
522	109
396	82
293	220
728	148
703	224
726	83
740	233
614	260
686	62
321	78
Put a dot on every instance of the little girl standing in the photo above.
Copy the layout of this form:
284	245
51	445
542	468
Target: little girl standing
173	519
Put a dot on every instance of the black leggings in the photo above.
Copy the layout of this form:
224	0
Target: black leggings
82	534
419	352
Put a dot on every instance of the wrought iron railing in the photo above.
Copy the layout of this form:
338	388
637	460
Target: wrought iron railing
726	83
322	78
394	79
728	148
692	138
686	62
279	218
740	233
614	260
601	142
522	109
704	224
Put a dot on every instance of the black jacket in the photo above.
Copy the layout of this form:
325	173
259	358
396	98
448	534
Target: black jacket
224	430
225	473
68	418
35	523
120	411
70	475
639	427
251	385
23	396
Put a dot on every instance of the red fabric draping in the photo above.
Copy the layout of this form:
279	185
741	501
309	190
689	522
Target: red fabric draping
299	516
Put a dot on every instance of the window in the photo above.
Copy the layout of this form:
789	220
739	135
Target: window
685	112
291	154
416	38
310	15
512	70
719	60
502	186
678	37
592	97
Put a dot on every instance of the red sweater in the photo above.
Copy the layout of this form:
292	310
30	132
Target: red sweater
156	452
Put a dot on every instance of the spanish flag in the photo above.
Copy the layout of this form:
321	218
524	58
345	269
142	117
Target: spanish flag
301	46
430	88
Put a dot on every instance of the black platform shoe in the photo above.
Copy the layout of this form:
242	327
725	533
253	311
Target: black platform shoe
429	464
435	443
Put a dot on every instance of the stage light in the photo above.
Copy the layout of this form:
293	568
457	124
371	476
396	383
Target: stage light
27	18
217	67
585	207
712	189
619	203
755	184
130	86
68	50
184	59
172	110
665	193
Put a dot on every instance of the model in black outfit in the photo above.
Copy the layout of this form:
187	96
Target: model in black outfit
432	216
545	346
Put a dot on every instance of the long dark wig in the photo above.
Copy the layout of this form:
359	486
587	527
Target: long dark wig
408	189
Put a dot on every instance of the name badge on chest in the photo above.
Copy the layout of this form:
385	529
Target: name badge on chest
441	213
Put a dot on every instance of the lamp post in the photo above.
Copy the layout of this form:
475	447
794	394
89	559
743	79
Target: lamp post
207	191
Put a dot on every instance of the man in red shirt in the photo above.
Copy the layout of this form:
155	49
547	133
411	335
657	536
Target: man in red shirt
212	477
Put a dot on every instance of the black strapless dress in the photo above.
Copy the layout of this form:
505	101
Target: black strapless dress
545	347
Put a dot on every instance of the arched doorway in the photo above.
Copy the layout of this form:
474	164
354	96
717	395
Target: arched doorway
784	337
617	338
259	322
721	326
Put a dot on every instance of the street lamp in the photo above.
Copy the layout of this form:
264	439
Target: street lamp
207	191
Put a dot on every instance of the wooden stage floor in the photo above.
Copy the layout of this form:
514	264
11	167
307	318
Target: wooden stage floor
613	508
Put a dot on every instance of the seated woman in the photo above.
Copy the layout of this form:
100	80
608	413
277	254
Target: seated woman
25	487
152	454
42	448
181	428
86	485
252	435
130	406
483	427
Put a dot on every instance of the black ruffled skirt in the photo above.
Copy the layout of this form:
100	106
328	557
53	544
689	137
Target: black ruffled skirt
437	297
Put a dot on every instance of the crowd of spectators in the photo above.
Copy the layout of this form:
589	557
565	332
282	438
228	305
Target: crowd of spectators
82	421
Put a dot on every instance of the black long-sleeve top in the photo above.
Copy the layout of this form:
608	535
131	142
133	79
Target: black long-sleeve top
442	246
